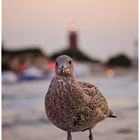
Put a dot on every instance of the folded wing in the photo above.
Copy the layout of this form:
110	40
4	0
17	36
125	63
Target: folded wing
97	101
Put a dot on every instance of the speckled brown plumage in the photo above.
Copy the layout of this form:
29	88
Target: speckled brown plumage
74	105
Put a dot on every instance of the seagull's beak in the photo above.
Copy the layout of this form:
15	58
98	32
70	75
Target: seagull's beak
62	69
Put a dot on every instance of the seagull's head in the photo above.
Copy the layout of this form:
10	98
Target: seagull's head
64	65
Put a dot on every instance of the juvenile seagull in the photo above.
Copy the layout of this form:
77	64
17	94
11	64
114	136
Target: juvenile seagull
73	105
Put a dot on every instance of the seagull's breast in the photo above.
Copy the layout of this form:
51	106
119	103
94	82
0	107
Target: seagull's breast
65	105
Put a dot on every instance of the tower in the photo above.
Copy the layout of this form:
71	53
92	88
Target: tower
72	38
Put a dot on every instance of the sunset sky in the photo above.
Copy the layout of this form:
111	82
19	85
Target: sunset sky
105	27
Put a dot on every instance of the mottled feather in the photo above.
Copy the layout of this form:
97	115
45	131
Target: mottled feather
97	100
74	105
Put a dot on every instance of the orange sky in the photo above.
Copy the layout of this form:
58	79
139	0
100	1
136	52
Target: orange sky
106	27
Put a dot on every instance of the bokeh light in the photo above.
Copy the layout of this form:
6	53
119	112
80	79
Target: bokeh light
110	73
72	27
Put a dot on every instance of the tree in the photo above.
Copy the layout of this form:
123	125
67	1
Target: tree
120	60
76	54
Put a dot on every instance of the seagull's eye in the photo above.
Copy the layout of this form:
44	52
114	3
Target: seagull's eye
70	62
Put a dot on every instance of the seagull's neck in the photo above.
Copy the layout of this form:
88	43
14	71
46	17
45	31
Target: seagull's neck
67	77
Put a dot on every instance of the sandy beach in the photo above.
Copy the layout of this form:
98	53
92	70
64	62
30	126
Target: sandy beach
24	118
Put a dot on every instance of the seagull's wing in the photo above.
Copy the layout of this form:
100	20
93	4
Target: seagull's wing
97	101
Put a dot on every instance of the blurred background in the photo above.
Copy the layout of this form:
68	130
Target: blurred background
101	37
